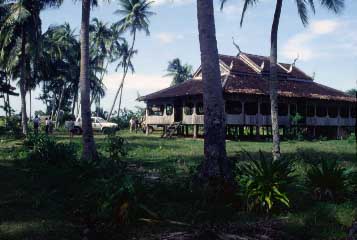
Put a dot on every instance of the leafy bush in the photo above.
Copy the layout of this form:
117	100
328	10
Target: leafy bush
45	148
265	182
115	146
327	181
12	127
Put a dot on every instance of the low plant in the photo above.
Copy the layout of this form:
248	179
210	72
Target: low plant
45	148
115	146
327	180
265	182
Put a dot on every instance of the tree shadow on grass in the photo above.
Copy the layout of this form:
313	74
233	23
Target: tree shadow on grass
32	204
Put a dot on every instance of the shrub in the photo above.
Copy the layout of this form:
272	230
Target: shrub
45	148
12	127
265	182
115	146
327	180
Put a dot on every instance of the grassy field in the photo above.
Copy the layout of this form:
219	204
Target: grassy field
35	201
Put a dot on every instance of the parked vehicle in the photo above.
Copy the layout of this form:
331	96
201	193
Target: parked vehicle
98	124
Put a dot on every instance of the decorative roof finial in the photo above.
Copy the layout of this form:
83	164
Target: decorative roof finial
294	62
313	75
237	46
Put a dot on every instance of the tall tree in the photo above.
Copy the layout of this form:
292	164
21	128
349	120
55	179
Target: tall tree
302	7
89	148
136	15
178	71
216	163
20	30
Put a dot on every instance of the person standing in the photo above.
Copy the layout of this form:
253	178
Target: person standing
36	124
132	124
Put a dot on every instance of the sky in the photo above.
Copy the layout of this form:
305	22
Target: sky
327	47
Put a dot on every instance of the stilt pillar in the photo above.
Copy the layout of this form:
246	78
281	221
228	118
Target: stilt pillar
195	131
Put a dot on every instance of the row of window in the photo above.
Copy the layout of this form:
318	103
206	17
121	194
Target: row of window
251	108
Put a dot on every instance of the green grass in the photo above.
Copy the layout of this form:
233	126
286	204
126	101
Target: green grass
34	201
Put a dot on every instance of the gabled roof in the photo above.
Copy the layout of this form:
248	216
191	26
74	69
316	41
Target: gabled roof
249	74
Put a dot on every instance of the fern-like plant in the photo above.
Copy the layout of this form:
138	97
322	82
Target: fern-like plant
327	180
265	182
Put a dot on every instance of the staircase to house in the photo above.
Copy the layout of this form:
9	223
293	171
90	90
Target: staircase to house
171	129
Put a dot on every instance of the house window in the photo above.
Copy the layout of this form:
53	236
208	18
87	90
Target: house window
353	111
169	109
251	108
265	109
292	109
283	109
233	107
332	111
156	110
188	109
310	111
321	111
199	109
344	111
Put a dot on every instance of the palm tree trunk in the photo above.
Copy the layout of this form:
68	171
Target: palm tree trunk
216	163
23	84
74	102
274	80
89	148
59	106
30	95
126	68
121	94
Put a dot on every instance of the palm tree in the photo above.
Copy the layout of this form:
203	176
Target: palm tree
20	32
216	163
89	148
136	18
178	72
126	54
302	7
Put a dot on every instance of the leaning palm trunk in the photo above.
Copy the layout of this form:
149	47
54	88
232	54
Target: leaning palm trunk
216	163
121	94
59	106
126	69
274	80
23	84
89	148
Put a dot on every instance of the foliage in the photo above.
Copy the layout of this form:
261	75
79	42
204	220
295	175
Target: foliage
327	180
12	127
45	148
178	72
115	146
126	115
352	92
265	182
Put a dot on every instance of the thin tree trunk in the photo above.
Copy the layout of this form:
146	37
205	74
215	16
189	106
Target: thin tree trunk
216	163
23	84
89	148
74	102
121	94
30	95
59	106
53	106
126	68
274	80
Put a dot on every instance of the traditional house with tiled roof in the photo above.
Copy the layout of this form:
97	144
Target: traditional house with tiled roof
245	85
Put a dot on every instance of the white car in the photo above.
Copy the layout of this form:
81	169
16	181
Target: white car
98	124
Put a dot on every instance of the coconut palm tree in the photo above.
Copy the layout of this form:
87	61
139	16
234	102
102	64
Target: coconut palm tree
89	148
19	34
178	71
136	15
302	6
125	55
216	163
